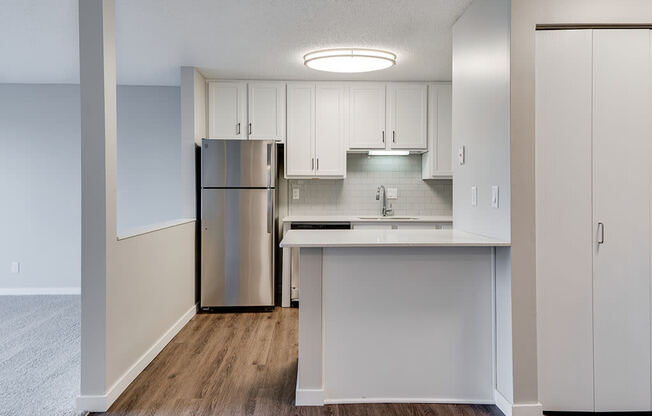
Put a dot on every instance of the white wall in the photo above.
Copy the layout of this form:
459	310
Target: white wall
481	114
481	117
40	176
526	14
138	292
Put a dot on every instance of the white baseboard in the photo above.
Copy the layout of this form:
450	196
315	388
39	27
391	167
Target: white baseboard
406	400
510	409
309	397
30	291
316	397
102	403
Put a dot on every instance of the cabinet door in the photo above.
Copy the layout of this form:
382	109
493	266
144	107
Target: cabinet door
266	105
563	219
227	108
407	116
299	148
437	161
621	201
367	116
330	150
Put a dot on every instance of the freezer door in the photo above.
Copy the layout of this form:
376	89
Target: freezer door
238	164
237	266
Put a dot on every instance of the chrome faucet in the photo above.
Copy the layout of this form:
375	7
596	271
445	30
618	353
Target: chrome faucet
385	211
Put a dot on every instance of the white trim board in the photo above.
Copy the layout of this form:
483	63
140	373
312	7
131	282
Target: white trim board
101	403
407	400
510	409
309	397
134	232
31	291
316	397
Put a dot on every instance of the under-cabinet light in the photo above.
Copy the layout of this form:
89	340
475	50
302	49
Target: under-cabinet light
388	153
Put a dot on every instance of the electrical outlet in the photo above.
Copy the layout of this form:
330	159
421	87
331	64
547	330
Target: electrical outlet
392	193
461	155
474	196
15	267
494	196
295	193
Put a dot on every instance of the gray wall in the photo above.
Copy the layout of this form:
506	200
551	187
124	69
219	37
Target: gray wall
40	185
40	175
356	194
149	156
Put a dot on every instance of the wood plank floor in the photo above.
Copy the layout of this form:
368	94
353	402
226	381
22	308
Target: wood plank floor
243	364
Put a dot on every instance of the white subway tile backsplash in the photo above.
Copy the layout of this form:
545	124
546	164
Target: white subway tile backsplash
356	195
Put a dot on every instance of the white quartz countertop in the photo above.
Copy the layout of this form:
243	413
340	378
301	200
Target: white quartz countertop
367	218
387	238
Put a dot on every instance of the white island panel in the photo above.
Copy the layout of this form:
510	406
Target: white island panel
396	324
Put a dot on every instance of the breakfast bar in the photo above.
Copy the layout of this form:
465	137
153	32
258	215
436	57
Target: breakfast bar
395	316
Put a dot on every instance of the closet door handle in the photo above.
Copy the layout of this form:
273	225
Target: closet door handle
383	136
237	128
317	164
600	233
312	164
250	129
393	136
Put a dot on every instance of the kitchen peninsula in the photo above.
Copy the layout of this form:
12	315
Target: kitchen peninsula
395	316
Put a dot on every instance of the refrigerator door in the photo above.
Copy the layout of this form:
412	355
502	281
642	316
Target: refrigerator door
238	164
237	247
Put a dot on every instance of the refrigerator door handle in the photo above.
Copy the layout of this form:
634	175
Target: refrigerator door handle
270	211
269	165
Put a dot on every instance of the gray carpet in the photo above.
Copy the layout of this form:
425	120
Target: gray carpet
39	355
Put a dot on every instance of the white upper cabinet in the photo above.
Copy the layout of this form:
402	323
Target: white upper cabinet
407	116
227	110
437	161
266	105
367	116
241	110
299	148
315	144
330	147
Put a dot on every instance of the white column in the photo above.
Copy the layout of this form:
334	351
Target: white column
193	129
98	146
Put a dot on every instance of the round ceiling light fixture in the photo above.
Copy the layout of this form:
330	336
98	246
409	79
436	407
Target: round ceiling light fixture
349	60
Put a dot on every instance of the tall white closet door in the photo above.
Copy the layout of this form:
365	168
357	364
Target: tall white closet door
564	224
621	195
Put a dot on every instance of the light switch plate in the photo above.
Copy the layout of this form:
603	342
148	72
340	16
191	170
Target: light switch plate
474	196
392	193
494	196
15	267
295	193
461	155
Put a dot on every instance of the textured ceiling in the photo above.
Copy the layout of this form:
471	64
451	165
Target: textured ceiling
262	39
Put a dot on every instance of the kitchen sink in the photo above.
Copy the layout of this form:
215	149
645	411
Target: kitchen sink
390	218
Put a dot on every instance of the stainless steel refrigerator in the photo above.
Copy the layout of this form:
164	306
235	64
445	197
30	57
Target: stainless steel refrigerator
238	181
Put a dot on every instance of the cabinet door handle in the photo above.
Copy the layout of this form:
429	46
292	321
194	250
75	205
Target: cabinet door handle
600	233
383	136
393	136
317	164
249	128
237	128
312	164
